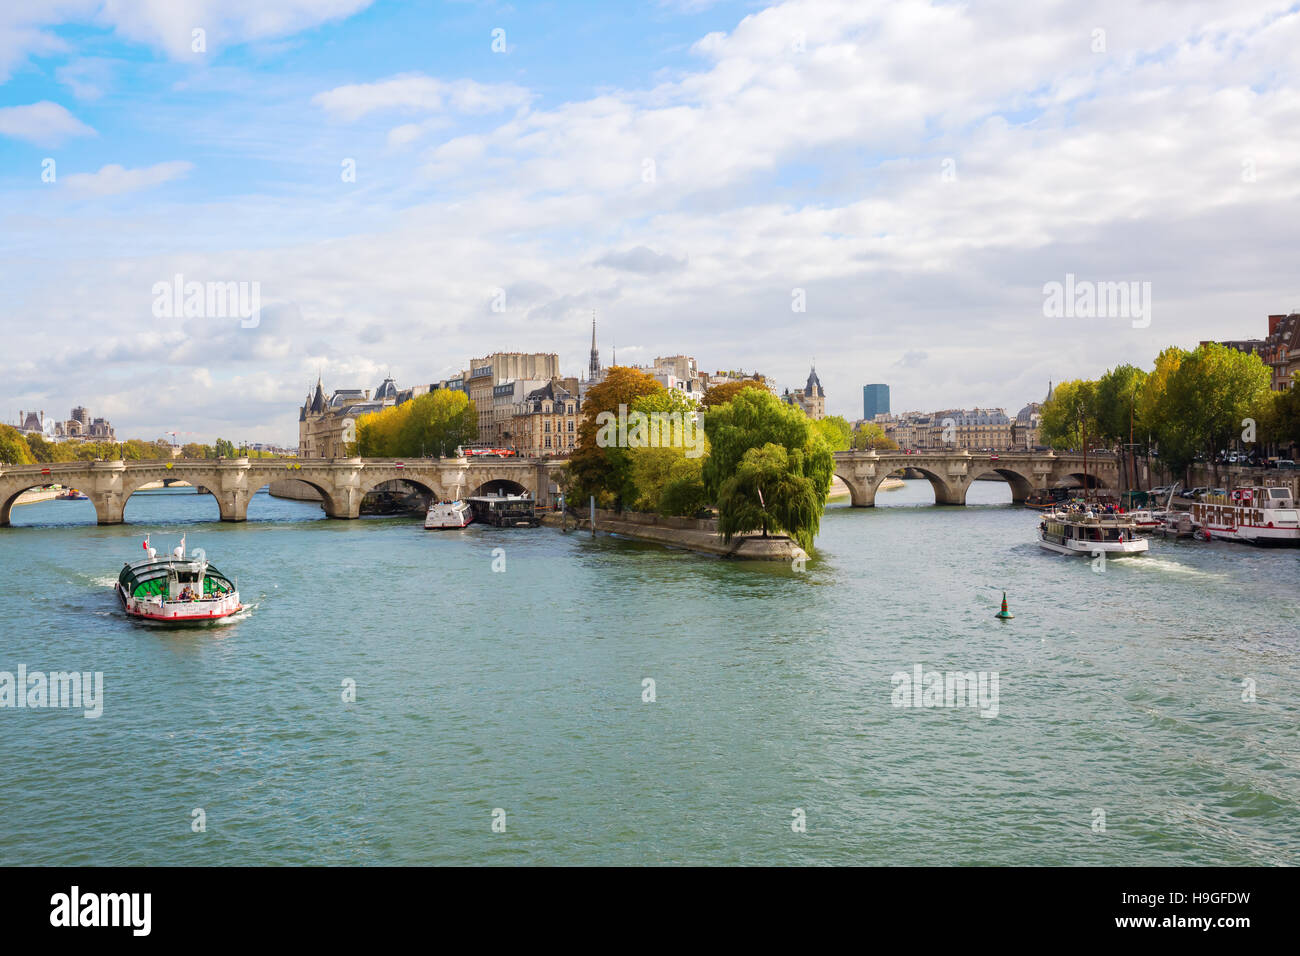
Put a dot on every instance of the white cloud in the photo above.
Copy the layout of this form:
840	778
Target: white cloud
416	92
163	24
169	24
113	180
773	169
43	123
86	77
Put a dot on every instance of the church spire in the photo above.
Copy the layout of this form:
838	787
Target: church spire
593	367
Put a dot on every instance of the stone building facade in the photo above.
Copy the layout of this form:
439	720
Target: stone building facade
545	422
327	426
811	398
1279	350
497	369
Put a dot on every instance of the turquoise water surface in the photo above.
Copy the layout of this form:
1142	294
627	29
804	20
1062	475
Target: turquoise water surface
522	690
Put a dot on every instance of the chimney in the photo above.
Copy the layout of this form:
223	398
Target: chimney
1273	322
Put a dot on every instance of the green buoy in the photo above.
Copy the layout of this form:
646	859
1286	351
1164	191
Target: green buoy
1004	614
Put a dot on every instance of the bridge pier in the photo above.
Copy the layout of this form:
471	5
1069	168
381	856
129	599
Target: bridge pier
109	508
233	505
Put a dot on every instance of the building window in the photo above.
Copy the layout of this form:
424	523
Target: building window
548	441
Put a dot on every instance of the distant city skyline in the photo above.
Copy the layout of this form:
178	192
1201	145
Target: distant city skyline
362	187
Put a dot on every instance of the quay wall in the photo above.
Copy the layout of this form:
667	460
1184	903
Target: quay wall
294	489
694	534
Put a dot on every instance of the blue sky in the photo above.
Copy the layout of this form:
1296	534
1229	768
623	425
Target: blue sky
919	169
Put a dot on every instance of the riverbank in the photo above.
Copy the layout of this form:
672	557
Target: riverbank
37	494
692	534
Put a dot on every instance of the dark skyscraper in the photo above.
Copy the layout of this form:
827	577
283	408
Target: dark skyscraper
875	401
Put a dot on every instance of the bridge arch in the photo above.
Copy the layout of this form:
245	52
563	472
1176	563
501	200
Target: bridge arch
498	485
10	492
328	500
430	486
1022	485
945	491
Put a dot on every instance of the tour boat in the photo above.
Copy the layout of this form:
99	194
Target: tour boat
1090	533
448	514
177	588
72	494
1264	516
506	511
1047	499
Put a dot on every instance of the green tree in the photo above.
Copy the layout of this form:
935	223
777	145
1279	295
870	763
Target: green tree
597	467
683	494
13	449
1118	392
770	492
47	451
1070	414
1214	389
722	394
436	423
870	435
753	420
652	468
1283	423
835	431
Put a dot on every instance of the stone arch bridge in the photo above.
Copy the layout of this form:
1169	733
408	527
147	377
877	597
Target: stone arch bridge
951	473
341	482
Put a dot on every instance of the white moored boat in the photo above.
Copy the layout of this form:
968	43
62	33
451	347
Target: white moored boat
1089	533
1147	520
448	514
178	588
1265	516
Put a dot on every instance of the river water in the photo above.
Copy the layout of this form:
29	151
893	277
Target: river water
1121	735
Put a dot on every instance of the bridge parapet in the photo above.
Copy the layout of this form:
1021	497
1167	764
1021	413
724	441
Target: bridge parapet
341	482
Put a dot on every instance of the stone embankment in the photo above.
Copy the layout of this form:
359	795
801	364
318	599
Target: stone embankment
693	534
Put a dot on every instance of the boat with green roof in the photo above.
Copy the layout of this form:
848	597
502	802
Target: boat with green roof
179	587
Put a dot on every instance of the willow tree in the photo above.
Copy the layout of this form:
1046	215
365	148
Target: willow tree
766	491
769	492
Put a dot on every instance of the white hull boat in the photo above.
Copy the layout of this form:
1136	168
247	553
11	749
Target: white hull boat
448	514
180	588
1088	534
1262	516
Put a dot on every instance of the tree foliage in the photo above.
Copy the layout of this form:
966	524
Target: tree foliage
870	435
769	491
14	450
751	422
1118	394
721	394
1069	414
835	431
606	472
433	424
